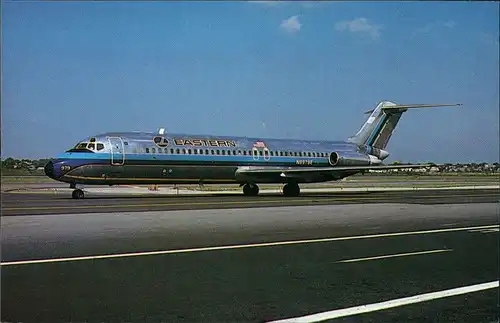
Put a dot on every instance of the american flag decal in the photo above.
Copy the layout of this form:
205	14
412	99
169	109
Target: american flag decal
259	144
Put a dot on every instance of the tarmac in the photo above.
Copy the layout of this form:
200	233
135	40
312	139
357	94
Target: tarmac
142	256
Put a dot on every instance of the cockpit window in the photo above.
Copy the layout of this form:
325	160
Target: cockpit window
85	147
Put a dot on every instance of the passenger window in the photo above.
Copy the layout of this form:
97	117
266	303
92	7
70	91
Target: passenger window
177	151
92	139
184	151
91	146
147	150
153	150
206	152
212	152
189	151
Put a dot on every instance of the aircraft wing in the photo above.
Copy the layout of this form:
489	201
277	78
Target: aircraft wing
305	172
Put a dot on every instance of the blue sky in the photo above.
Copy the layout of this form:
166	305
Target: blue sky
291	69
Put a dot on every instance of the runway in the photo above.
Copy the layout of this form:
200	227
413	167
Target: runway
62	203
212	262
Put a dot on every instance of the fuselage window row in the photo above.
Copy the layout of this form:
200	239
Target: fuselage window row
255	153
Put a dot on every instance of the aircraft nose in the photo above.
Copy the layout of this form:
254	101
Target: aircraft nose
49	169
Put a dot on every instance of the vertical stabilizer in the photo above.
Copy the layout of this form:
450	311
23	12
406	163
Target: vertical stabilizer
372	126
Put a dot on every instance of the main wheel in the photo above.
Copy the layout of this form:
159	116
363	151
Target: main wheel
250	190
291	189
78	194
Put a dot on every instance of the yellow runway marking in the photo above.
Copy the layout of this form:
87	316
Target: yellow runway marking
242	246
218	202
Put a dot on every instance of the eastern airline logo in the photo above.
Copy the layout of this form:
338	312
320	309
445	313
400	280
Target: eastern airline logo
160	141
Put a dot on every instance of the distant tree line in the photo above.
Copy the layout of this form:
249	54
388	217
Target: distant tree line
12	163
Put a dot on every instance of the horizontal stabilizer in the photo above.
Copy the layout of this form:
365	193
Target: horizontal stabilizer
413	106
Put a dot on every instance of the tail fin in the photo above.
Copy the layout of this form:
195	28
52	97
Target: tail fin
377	130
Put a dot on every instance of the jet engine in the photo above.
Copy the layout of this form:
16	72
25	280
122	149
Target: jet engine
352	159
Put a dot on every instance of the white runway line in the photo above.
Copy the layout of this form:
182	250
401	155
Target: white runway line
397	255
388	304
253	245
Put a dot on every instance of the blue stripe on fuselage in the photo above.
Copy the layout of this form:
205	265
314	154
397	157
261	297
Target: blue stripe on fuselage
105	157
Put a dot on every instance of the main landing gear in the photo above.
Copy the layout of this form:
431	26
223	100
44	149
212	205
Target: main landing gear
290	189
250	190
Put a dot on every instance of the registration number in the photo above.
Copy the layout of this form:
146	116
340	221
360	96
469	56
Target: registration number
304	162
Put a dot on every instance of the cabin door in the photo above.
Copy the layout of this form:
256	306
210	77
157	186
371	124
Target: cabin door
266	154
117	150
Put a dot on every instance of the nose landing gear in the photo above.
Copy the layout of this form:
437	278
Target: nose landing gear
78	194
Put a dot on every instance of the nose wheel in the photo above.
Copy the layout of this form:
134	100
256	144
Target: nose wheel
250	190
78	194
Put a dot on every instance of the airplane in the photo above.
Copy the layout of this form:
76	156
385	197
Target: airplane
119	158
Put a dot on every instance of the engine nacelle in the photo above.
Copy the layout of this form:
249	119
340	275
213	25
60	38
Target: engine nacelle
352	159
